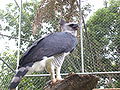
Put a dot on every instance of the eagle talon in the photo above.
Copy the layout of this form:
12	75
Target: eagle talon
53	81
59	79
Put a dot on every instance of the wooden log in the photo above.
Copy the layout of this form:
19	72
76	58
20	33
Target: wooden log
75	82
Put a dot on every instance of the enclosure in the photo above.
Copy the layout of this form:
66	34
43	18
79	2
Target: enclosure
98	50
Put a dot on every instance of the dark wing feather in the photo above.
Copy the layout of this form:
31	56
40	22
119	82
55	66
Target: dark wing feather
53	44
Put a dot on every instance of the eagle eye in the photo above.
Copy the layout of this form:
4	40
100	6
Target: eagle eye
71	25
74	26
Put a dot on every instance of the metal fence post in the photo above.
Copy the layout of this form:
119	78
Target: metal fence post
81	37
19	35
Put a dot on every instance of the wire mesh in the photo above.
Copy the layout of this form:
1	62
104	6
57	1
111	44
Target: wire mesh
101	41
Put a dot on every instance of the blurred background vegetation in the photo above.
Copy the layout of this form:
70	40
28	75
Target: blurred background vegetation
101	38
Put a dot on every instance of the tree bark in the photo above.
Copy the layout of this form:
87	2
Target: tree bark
75	82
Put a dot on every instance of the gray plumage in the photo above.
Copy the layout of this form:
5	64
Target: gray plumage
53	44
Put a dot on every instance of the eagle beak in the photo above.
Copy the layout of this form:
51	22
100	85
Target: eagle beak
75	26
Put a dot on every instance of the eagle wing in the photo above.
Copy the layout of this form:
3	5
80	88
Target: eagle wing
53	44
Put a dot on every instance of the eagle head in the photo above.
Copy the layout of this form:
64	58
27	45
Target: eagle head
69	27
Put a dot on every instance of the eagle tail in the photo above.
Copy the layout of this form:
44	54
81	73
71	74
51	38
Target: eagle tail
19	75
17	78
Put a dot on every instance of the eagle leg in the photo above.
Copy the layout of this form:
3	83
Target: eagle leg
58	76
52	72
51	69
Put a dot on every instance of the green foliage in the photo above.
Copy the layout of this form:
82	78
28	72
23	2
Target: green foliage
5	72
103	35
10	17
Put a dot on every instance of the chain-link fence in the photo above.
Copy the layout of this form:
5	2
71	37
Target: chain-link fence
101	47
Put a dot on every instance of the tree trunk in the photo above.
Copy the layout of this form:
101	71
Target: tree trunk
75	82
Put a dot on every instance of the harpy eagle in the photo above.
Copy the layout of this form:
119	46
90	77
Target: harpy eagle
47	53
